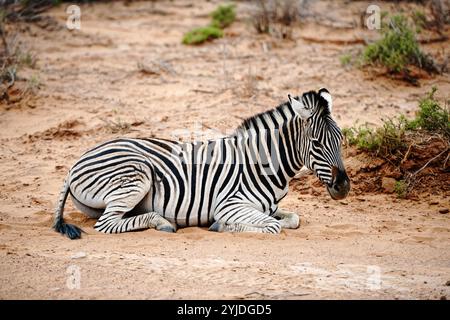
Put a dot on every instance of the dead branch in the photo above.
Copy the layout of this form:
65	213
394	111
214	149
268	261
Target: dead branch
429	161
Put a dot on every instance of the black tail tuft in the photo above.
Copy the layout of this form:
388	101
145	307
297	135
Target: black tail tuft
70	230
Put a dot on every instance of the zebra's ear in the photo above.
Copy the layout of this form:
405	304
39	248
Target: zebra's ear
324	93
298	106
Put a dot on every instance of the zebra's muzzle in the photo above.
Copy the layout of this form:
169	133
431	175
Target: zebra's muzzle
340	185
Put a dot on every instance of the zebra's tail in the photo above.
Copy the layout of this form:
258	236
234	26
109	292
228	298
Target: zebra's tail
70	230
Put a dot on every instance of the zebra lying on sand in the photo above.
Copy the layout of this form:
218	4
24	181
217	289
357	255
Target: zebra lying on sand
230	184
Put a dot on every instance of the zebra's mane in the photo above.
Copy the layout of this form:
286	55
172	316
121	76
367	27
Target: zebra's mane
284	110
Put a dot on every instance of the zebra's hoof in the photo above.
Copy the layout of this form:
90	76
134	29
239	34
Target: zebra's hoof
167	229
216	227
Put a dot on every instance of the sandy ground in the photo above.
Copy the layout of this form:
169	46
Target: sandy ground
367	246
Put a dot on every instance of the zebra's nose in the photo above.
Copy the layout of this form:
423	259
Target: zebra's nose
340	185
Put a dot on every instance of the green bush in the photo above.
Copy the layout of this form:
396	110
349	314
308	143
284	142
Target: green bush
202	34
401	188
398	48
384	140
346	59
431	116
223	16
390	138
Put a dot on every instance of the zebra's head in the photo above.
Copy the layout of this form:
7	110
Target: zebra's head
320	141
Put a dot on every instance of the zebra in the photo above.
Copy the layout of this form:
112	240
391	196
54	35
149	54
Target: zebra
231	184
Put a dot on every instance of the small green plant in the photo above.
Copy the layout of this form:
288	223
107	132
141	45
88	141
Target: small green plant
27	59
401	188
420	20
117	126
390	139
398	48
346	59
385	140
431	116
202	34
223	16
34	82
13	57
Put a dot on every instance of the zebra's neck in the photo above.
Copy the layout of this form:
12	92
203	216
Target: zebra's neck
270	142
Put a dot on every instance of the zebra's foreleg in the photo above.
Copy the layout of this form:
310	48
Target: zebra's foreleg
288	220
245	219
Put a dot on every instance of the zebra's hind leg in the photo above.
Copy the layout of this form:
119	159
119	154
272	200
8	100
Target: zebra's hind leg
245	219
113	220
288	220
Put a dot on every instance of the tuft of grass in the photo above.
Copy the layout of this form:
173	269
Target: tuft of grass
223	16
401	188
398	48
385	140
431	116
13	57
390	139
33	82
26	58
420	19
276	17
346	59
117	126
202	34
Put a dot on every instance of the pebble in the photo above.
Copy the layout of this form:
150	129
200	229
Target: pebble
444	211
79	255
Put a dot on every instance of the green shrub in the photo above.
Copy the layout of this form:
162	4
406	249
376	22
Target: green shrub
390	138
384	140
420	20
398	48
202	34
223	16
401	188
346	59
431	116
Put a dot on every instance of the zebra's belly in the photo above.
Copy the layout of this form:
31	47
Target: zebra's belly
183	211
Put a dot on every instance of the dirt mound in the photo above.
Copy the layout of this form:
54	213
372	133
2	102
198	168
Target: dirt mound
65	130
423	169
